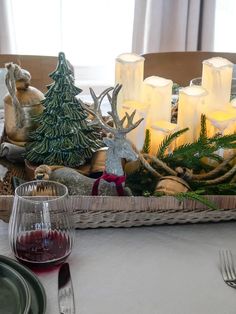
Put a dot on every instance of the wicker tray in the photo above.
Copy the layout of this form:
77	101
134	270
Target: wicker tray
99	211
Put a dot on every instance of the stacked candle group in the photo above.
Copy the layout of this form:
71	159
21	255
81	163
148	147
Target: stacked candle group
152	97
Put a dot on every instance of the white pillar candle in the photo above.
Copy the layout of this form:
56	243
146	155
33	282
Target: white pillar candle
129	72
156	94
216	79
158	131
136	136
223	122
190	107
231	128
232	109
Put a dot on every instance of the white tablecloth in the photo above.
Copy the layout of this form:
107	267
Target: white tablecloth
151	270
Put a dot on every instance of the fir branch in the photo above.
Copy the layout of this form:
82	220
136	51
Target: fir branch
216	157
159	194
141	182
147	142
146	193
186	155
220	189
196	197
203	131
167	141
196	156
186	149
203	147
223	141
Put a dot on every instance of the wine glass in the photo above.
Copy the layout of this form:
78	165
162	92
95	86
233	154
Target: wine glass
196	81
40	228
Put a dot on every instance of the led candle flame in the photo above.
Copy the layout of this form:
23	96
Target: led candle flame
191	104
156	94
129	73
158	132
221	120
216	79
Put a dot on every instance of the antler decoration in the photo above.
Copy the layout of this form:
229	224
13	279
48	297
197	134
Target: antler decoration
113	102
119	130
97	101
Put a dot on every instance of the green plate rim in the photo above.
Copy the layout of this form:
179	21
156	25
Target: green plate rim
24	285
29	276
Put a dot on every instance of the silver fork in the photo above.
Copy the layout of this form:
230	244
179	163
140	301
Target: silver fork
227	268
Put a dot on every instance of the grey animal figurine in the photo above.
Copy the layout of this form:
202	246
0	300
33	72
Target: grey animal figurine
118	146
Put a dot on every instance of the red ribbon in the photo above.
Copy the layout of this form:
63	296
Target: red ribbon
109	177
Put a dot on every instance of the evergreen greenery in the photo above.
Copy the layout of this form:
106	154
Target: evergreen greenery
141	182
167	141
63	136
203	130
190	155
197	158
195	197
219	189
147	142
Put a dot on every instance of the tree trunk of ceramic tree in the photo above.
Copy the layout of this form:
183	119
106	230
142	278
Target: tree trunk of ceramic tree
63	135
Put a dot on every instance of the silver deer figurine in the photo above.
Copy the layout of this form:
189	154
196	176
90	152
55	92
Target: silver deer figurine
118	146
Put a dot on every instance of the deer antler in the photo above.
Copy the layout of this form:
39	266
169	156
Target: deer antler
113	102
96	111
130	125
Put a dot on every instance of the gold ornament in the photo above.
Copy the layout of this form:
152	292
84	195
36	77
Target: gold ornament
132	167
171	185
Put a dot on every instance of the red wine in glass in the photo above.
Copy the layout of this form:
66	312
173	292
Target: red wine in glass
40	228
42	249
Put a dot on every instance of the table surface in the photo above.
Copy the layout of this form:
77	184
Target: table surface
146	270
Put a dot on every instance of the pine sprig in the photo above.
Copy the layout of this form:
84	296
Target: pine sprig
203	131
196	197
216	157
204	147
186	155
223	141
147	142
167	141
220	189
197	157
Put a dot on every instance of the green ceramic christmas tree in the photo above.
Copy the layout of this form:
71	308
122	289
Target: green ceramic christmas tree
63	136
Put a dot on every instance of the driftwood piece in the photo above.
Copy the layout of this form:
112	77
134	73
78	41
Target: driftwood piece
12	152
